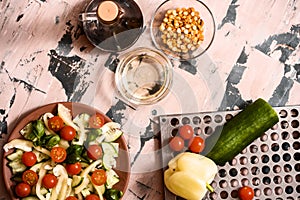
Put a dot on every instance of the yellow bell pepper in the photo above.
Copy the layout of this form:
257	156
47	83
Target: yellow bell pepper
189	175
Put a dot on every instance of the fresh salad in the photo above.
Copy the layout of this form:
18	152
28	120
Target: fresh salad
65	158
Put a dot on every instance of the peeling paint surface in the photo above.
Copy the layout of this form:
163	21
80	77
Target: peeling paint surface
45	57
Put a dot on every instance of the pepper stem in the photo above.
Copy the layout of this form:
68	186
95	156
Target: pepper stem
209	187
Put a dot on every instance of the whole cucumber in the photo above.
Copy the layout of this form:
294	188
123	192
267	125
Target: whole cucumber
240	131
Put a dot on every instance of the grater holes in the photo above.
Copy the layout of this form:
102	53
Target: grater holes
257	192
286	157
174	132
275	158
297	167
265	169
233	172
245	182
208	130
218	118
289	189
265	159
295	123
296	145
285	135
288	179
268	191
264	137
296	135
266	180
228	117
285	146
274	136
276	169
264	148
223	184
277	179
243	160
213	195
224	195
283	114
185	120
234	183
244	171
278	190
233	162
197	131
222	173
287	168
275	147
234	194
255	181
207	119
255	170
275	127
254	159
174	121
284	124
294	113
297	156
196	120
253	148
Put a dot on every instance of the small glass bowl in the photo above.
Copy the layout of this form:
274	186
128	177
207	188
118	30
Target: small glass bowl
143	76
208	29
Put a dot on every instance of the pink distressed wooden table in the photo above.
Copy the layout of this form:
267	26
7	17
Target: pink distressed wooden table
45	57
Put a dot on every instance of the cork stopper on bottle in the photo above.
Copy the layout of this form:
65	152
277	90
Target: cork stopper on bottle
108	11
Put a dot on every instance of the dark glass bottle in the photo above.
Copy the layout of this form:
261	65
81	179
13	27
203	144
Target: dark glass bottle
112	27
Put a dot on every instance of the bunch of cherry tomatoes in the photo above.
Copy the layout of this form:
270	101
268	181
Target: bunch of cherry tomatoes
185	136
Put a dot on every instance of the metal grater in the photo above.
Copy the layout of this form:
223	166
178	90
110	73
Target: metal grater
270	165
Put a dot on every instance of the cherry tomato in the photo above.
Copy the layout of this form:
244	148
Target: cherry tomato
22	189
92	197
94	152
176	143
55	123
71	198
196	144
73	169
96	121
186	132
30	177
67	133
99	177
49	181
58	154
29	158
246	193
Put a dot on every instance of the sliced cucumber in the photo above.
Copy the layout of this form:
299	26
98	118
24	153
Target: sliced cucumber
112	178
17	155
17	166
111	131
109	161
109	148
77	180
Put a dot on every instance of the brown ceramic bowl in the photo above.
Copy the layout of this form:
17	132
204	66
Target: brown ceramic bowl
122	168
